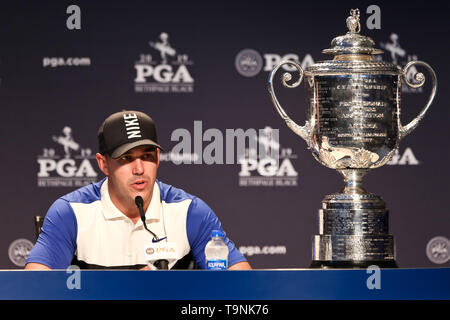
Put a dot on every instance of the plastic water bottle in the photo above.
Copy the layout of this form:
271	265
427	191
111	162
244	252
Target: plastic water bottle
216	252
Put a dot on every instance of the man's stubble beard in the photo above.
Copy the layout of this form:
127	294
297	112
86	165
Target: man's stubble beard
126	195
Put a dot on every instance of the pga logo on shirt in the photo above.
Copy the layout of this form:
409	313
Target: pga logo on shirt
74	168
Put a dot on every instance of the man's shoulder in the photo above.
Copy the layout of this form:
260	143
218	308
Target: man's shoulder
198	209
171	194
87	194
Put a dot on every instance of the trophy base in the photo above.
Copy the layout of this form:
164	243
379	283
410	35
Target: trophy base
353	229
352	264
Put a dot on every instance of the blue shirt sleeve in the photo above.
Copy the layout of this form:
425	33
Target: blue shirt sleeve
201	220
56	244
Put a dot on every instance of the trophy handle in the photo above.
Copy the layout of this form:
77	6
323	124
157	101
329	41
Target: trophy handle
405	130
302	131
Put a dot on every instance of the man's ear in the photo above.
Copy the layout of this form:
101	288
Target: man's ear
101	161
157	161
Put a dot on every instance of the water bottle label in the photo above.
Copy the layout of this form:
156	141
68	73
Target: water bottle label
217	264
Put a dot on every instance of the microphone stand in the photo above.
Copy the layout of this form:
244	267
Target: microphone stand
159	264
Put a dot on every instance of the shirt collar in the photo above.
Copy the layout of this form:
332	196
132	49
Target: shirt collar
110	211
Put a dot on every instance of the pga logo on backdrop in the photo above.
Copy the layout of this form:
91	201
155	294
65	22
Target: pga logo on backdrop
263	169
399	56
404	158
168	74
66	163
249	62
258	152
19	250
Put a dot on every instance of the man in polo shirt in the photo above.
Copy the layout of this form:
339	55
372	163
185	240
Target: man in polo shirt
99	225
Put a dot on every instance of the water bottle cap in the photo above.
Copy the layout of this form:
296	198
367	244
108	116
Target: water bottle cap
217	233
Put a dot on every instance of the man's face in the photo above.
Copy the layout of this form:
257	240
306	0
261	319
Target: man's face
133	174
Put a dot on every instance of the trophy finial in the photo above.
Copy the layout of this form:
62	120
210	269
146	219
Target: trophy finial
353	21
352	44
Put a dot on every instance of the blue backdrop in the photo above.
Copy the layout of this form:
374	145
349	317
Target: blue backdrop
58	82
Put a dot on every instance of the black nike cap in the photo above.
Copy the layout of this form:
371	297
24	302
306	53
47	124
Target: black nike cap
125	130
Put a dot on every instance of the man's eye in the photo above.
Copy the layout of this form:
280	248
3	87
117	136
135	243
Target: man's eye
148	156
125	158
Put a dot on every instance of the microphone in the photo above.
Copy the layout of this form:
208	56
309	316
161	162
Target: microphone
140	204
164	251
160	254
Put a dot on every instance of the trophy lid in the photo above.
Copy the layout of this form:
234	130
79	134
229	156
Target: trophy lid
352	42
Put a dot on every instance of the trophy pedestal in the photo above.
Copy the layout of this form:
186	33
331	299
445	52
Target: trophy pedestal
353	228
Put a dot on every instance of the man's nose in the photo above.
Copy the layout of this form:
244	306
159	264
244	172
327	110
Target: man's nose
138	167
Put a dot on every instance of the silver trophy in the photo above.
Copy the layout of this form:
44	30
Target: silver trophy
353	125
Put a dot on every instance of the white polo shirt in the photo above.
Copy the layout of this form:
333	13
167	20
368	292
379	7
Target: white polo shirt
85	228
